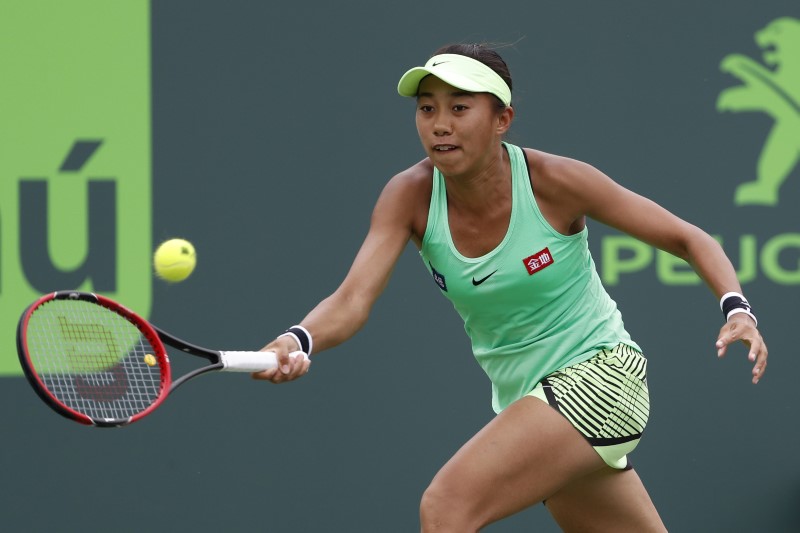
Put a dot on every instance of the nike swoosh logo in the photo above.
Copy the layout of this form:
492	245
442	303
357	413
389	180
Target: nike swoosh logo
479	281
439	63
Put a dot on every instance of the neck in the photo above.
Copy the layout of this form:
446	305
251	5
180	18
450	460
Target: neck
485	187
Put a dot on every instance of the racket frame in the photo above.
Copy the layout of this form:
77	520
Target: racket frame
231	361
150	333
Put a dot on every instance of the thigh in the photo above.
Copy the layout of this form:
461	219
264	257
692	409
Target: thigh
607	500
523	456
605	398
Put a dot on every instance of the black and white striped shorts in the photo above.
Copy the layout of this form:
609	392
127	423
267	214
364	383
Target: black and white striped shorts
605	398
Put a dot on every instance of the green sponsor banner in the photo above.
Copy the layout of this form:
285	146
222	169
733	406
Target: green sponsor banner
75	155
772	88
622	255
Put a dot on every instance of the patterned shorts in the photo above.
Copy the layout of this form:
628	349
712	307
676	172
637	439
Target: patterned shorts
605	398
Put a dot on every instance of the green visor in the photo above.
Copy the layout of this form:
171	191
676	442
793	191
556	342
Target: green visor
459	71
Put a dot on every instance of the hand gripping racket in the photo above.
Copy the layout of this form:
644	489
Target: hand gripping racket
98	363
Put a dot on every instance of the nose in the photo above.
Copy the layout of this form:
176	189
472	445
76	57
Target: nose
442	125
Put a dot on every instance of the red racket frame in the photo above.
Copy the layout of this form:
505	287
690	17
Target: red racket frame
147	330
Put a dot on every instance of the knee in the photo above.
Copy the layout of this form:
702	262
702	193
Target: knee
444	508
431	508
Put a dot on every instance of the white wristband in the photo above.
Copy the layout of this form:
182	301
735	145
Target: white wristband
733	303
740	310
728	295
301	336
292	335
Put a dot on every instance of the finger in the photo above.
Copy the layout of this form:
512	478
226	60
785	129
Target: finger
294	367
730	333
757	348
284	363
722	347
760	358
305	366
300	364
758	372
265	374
723	339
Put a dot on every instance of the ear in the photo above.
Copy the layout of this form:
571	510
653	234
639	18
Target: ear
504	120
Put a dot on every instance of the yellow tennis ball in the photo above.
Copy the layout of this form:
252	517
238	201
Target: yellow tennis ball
150	359
174	260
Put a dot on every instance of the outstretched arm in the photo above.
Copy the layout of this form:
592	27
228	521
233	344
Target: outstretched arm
339	316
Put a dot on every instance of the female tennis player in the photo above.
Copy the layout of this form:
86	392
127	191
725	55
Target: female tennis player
502	230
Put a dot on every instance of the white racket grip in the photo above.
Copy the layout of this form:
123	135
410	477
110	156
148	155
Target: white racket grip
252	361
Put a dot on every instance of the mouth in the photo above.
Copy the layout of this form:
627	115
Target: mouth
444	148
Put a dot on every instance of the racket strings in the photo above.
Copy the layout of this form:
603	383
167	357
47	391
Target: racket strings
93	360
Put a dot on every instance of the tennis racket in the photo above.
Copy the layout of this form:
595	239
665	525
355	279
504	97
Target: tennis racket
98	363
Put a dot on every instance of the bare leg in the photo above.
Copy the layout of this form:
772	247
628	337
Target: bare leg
523	456
607	500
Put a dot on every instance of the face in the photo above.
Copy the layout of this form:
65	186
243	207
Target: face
460	131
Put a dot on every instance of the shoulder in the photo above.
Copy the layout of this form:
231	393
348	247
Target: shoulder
409	187
562	183
406	198
567	189
557	173
415	179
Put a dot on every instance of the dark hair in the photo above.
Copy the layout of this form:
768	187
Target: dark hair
484	54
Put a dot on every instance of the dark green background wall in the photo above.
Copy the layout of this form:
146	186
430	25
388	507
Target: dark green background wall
275	126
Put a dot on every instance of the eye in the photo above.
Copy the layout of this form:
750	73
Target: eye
425	108
459	107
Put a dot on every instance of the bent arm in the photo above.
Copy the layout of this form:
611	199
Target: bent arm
651	223
597	196
592	193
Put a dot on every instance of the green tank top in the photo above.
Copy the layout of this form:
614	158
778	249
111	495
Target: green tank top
531	306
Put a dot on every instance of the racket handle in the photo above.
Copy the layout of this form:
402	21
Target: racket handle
252	361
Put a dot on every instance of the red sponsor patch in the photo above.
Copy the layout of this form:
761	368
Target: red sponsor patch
538	261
